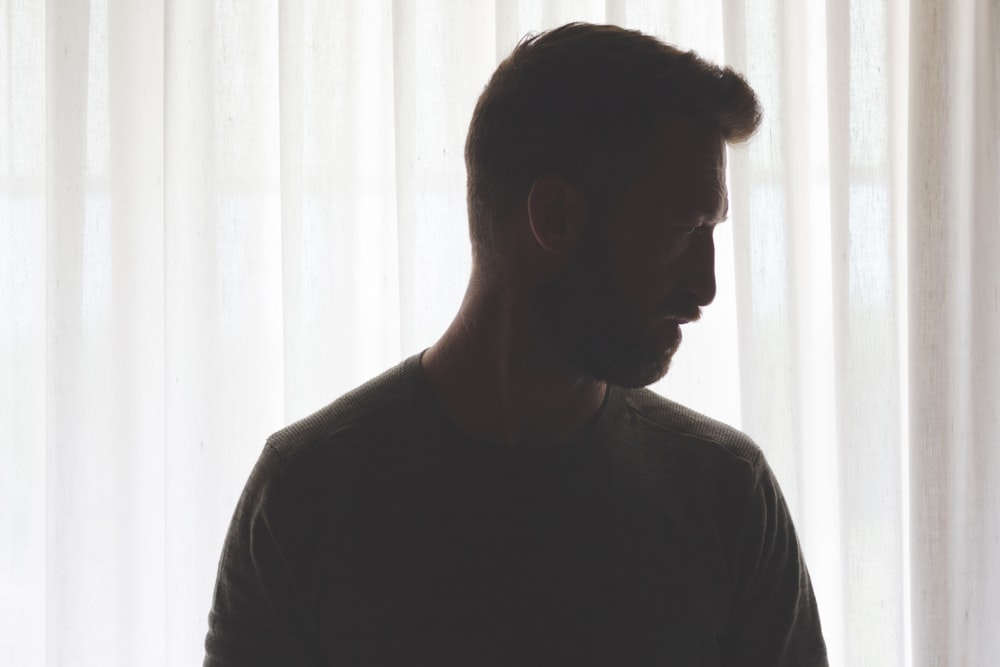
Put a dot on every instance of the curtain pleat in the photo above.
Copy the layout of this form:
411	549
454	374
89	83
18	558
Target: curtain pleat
217	216
953	305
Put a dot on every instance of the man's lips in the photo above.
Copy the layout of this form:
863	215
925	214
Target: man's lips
681	318
681	311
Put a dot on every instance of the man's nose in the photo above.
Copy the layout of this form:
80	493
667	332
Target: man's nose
699	270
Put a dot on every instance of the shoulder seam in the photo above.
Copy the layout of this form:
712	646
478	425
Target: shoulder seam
356	405
328	430
742	447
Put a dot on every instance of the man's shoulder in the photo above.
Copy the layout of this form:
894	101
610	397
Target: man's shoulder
372	411
668	421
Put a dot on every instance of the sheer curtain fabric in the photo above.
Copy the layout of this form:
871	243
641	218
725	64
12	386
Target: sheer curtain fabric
217	216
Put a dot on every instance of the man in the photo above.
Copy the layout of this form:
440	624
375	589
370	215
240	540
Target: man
512	496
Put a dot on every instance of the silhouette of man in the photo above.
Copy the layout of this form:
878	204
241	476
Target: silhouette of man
513	496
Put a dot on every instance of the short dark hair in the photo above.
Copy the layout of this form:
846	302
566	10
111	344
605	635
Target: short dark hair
582	100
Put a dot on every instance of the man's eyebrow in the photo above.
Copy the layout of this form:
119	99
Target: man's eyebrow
725	211
716	206
714	214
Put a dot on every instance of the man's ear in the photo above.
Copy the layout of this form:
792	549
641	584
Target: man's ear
558	212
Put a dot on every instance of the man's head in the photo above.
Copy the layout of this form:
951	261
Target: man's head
634	130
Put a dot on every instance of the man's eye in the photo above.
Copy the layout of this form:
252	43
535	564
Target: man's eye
687	230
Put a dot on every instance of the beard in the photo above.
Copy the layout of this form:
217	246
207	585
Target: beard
588	323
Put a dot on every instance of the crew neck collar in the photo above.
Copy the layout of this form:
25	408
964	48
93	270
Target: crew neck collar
598	429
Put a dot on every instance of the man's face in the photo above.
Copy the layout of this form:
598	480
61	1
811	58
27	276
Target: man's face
646	267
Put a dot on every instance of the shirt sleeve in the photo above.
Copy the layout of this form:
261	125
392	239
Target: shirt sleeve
258	615
774	619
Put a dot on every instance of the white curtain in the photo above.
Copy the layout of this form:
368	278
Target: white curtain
216	216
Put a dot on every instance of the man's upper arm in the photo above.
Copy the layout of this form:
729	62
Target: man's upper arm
258	614
775	620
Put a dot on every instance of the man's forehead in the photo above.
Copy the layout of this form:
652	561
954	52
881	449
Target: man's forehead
680	129
705	199
691	171
690	147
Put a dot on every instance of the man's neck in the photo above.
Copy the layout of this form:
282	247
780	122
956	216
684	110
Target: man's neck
497	381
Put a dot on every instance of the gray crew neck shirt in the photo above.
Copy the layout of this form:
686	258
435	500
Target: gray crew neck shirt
374	532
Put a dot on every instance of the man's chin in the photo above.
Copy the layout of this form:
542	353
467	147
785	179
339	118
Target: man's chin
637	378
633	372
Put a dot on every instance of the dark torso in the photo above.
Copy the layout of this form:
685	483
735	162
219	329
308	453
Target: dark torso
394	539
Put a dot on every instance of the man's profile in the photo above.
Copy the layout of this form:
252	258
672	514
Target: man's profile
513	495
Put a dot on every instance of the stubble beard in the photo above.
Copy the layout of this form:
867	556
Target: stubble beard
589	324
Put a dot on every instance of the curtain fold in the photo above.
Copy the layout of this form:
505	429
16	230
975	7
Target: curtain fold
953	301
216	217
